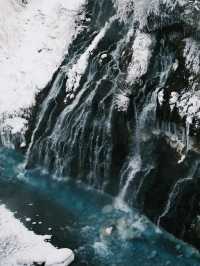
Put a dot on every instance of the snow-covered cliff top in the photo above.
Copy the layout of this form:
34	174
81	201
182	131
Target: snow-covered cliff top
33	40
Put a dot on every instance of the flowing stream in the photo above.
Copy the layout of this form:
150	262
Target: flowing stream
86	220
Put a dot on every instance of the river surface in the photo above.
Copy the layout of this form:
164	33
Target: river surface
85	220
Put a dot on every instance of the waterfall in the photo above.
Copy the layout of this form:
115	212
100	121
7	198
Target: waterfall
130	173
115	113
134	162
75	140
45	109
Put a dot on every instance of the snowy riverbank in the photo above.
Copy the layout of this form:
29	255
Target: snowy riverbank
19	246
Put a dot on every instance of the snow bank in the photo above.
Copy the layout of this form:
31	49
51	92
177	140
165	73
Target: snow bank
33	40
19	246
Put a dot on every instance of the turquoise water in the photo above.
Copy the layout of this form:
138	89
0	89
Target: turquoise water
86	220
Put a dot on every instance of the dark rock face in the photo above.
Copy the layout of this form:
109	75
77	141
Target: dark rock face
122	112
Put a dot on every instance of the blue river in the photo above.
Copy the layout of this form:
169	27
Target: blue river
86	220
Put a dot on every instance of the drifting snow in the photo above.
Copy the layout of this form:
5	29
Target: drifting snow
19	246
33	40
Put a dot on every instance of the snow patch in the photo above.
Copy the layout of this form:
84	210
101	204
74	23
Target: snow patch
173	100
12	132
142	52
15	124
140	10
19	246
189	105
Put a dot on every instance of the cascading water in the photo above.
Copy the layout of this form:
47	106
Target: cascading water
134	163
84	148
113	114
82	141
